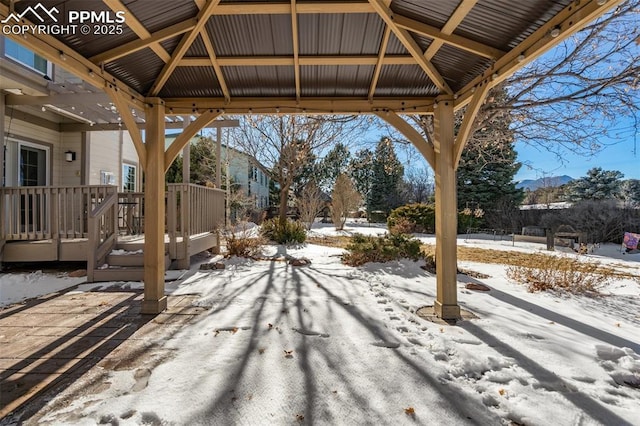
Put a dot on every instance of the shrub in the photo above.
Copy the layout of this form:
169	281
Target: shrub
560	273
363	249
418	217
241	241
291	233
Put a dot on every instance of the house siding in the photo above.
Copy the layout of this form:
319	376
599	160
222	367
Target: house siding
107	152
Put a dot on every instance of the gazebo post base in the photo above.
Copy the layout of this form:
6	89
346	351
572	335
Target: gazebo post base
446	312
153	307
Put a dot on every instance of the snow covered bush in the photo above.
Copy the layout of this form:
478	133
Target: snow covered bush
291	233
243	241
419	217
364	248
560	273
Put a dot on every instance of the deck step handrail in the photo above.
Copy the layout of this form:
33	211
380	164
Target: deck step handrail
103	232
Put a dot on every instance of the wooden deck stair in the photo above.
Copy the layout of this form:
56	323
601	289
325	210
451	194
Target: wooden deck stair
125	263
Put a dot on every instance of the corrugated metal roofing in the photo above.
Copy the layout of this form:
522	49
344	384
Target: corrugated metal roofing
500	24
404	80
192	82
260	81
328	34
333	80
138	71
159	14
244	35
505	23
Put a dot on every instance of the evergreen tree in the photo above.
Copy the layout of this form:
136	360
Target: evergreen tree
203	164
488	165
631	192
385	194
598	184
332	165
361	171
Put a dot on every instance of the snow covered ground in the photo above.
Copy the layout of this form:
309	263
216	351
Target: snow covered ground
331	344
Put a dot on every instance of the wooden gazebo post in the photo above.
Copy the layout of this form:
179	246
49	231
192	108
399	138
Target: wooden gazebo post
446	303
155	300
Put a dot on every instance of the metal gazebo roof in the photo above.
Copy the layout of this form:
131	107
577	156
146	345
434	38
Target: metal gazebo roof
295	55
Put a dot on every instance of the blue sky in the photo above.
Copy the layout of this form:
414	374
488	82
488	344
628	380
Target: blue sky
619	155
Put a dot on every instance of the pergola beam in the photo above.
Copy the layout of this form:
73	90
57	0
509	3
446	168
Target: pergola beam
137	27
142	43
183	46
60	54
410	44
450	39
60	99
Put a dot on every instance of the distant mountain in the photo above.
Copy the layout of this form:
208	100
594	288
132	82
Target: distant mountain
533	184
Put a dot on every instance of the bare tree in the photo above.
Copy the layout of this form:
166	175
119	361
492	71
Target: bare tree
285	144
310	203
344	199
574	98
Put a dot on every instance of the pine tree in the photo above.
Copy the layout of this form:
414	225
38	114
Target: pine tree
386	180
598	184
202	162
361	171
631	192
488	165
335	162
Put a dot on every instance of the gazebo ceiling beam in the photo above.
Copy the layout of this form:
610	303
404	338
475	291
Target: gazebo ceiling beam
284	8
570	20
251	61
183	47
295	40
410	44
291	105
379	62
452	23
139	29
450	39
136	45
213	61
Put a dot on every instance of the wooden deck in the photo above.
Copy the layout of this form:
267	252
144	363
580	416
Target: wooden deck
53	340
89	223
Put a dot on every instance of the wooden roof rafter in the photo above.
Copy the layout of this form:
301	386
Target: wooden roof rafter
138	28
183	47
452	23
296	41
410	44
213	61
379	62
142	43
